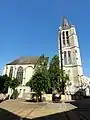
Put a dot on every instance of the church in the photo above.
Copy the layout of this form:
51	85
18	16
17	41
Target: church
23	67
69	55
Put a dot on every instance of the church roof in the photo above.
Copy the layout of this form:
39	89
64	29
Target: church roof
25	60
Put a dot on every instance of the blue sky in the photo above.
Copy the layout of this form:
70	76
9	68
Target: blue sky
29	28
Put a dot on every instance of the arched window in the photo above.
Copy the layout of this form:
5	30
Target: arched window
65	58
63	34
67	37
69	57
11	72
20	73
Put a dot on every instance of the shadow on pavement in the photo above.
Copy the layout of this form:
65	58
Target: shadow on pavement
6	115
83	108
81	104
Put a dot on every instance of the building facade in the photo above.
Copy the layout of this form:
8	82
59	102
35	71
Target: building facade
22	69
70	55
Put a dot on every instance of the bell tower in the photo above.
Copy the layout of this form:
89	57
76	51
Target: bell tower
71	59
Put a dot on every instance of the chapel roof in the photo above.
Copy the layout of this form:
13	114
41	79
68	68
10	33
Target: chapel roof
25	60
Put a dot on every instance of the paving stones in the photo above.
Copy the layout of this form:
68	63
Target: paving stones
20	109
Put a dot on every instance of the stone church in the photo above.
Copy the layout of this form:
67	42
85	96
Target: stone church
23	67
68	46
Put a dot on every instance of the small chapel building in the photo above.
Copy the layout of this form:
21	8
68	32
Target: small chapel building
22	69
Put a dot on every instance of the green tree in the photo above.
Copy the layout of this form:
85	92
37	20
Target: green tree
4	83
7	82
65	78
56	75
54	72
39	81
41	65
14	83
1	84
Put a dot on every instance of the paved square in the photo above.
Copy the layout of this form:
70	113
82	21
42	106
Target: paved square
32	110
21	110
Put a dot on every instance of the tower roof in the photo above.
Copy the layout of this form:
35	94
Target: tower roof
65	23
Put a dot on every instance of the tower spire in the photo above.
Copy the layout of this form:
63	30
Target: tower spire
65	22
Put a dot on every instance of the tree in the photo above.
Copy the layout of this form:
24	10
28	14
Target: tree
65	78
1	84
4	83
54	72
39	81
7	82
41	65
56	75
14	83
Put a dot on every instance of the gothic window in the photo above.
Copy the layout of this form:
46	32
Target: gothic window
67	37
65	58
20	73
63	34
69	57
11	72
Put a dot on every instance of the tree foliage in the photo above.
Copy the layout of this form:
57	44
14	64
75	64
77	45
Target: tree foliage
44	78
41	65
65	78
14	83
39	81
4	83
54	72
56	75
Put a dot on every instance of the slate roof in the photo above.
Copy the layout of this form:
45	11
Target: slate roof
25	60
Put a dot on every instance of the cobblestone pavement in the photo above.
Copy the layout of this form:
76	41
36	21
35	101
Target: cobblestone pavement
20	110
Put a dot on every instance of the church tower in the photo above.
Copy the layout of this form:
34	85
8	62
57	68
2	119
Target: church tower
71	59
